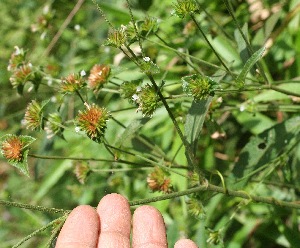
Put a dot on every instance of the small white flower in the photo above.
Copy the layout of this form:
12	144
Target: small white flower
18	51
77	129
77	27
242	108
49	81
138	89
53	99
82	73
146	59
46	9
123	27
30	88
135	97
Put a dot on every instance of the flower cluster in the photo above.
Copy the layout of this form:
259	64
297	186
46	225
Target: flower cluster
21	75
145	97
54	125
22	71
81	171
43	23
185	7
215	237
196	208
12	148
93	121
200	87
33	115
147	66
15	150
98	77
72	82
117	37
17	59
159	180
130	88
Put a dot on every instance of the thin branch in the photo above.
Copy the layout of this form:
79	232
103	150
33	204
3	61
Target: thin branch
63	27
217	189
32	207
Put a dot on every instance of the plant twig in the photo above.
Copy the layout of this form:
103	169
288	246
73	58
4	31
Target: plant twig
32	207
217	189
63	27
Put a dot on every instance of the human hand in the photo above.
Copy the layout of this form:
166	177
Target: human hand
109	227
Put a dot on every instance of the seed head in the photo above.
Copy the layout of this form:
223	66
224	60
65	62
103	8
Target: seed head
148	100
21	75
53	125
158	180
12	149
72	83
17	58
33	115
200	87
98	76
93	121
185	7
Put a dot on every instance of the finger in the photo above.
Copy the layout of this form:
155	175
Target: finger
115	222
81	229
185	243
148	228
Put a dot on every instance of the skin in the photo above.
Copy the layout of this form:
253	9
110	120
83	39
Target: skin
109	227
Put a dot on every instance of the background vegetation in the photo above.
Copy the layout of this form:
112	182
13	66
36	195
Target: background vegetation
236	164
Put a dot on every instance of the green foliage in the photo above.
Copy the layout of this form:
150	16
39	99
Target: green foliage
100	93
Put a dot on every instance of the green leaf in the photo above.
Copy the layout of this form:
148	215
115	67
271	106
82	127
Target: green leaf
195	119
262	150
130	132
242	45
255	122
52	178
240	80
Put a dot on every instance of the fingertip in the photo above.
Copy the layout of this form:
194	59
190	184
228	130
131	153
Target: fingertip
148	228
115	221
185	243
81	228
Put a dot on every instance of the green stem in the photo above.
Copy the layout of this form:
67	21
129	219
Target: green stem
190	156
226	2
217	189
210	45
135	29
78	94
180	55
32	207
272	87
52	223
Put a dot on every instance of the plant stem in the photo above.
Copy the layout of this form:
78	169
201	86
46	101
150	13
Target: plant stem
217	189
32	207
52	223
190	156
226	2
210	45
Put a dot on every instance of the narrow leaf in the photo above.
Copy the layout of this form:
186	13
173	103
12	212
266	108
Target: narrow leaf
249	64
195	119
